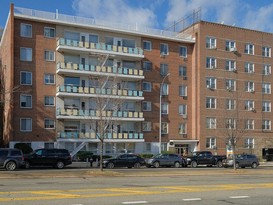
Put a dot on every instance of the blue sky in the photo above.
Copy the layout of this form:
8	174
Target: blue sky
253	14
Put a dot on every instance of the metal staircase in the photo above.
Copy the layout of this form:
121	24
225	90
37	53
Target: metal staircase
75	151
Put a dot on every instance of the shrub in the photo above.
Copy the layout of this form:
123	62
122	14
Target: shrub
146	155
26	149
84	155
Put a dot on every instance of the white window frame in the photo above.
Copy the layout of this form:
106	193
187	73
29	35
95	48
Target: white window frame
164	128
182	71
147	43
164	108
249	105
210	142
230	45
165	89
249	67
211	82
182	129
28	51
50	126
47	77
27	119
183	91
146	126
230	65
266	106
210	63
47	30
211	122
183	51
164	49
249	143
211	42
23	33
148	105
164	69
266	69
230	123
211	103
266	125
266	51
49	55
147	86
26	72
249	49
249	124
146	67
182	109
231	84
266	88
250	86
25	101
49	98
231	104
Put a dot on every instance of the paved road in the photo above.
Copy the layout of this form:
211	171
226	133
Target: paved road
137	186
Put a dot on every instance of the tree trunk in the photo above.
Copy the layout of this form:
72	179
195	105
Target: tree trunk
234	157
101	155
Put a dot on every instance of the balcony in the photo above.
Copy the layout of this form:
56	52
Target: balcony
98	48
109	136
78	91
77	114
72	68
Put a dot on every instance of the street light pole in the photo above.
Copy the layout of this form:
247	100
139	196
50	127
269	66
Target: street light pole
160	98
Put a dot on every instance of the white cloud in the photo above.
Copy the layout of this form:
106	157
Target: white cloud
115	11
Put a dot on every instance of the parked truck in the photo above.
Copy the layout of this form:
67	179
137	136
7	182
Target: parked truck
205	158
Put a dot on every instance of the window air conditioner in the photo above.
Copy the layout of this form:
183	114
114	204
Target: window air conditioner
233	49
234	70
184	116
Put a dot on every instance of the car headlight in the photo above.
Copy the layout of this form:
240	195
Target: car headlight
104	162
188	159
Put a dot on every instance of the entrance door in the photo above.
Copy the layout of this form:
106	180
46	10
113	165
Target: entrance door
182	149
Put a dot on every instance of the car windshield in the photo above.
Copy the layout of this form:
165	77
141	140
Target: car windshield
157	156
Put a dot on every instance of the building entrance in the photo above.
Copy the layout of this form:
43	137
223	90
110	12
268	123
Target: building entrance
181	149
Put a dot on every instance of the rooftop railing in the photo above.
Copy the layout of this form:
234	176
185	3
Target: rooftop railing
98	23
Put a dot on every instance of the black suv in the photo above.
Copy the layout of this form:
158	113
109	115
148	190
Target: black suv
58	158
124	160
10	158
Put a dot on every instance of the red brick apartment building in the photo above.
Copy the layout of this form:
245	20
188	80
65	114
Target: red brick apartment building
208	78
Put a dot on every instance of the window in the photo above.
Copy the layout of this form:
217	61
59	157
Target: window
230	123
25	101
230	84
164	108
95	39
230	65
182	109
164	69
147	86
49	32
211	123
147	45
249	143
183	51
164	128
49	101
165	89
183	90
266	106
230	46
26	54
210	42
266	125
249	105
249	124
249	49
26	30
266	88
249	67
211	82
49	79
182	129
49	124
210	63
147	65
146	106
249	86
267	70
266	51
210	103
25	124
49	145
183	72
230	104
164	49
147	126
25	78
211	143
49	55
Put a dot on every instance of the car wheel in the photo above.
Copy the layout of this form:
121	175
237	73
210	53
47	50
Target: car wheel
237	165
11	166
193	164
110	165
60	165
254	165
137	165
220	164
27	164
148	166
176	164
156	164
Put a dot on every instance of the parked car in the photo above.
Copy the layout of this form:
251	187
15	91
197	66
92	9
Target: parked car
205	158
124	160
166	160
58	158
243	160
11	159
